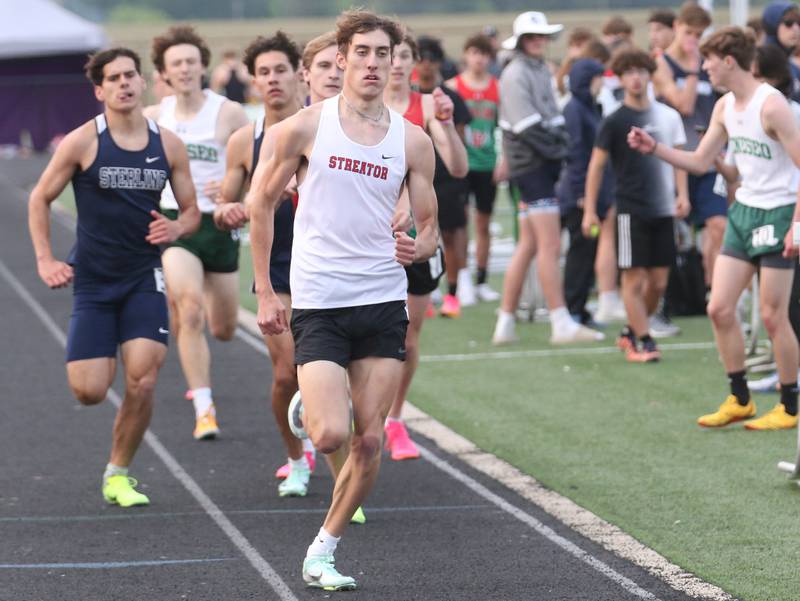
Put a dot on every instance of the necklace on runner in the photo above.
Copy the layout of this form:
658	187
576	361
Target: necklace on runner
364	115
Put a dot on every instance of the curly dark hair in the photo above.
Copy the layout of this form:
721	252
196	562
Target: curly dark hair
97	61
280	42
179	34
631	58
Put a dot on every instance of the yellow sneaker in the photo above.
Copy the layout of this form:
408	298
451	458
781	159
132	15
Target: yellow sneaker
730	411
206	426
776	419
119	490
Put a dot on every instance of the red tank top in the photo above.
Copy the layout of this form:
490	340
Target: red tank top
489	93
414	111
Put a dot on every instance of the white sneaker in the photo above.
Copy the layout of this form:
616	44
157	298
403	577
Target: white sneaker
436	297
577	334
768	384
504	329
610	311
662	327
486	294
465	289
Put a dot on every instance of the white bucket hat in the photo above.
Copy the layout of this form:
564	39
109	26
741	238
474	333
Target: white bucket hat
530	22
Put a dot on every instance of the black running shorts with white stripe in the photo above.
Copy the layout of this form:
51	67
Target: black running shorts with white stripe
645	241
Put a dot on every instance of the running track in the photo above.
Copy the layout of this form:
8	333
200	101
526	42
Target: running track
216	528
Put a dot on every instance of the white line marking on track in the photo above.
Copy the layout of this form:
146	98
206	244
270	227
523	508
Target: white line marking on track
592	350
236	537
105	565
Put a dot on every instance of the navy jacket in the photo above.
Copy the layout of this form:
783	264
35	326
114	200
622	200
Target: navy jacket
582	115
771	18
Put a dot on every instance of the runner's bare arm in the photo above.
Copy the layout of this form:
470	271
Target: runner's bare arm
698	161
163	230
438	112
66	160
402	221
152	112
230	213
683	99
278	162
422	197
779	122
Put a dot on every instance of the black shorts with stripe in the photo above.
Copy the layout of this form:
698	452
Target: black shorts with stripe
645	241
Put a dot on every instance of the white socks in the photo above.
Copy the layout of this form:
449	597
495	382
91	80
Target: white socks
561	321
308	447
324	544
114	470
301	463
203	403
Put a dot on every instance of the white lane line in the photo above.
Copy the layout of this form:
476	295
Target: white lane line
105	565
571	548
236	537
547	532
581	520
563	352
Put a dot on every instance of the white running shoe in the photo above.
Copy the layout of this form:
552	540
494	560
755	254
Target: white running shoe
466	289
320	572
504	329
296	416
767	384
610	311
486	294
296	483
662	327
578	334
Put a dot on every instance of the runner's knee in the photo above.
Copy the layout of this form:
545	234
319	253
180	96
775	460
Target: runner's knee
327	438
142	386
365	446
190	312
89	394
223	330
721	315
773	318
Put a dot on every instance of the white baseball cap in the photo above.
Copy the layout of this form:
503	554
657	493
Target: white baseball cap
530	22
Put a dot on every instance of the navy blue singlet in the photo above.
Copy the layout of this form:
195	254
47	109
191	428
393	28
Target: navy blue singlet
703	106
284	213
114	197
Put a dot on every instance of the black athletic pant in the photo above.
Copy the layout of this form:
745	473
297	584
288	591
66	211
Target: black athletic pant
579	269
794	302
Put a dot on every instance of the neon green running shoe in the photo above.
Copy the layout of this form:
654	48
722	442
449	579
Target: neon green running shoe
296	483
358	517
119	490
319	572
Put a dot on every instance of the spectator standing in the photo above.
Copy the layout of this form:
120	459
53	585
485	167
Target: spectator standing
230	78
660	32
535	143
781	21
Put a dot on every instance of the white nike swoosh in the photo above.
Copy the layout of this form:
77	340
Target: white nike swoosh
151	159
163	331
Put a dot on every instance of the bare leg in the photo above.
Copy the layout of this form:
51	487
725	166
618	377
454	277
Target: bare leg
605	263
713	234
417	305
221	296
547	230
634	283
184	276
90	379
142	358
657	278
517	270
374	383
774	292
455	255
284	383
731	277
482	239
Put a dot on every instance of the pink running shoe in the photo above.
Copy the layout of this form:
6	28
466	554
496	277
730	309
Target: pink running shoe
398	441
450	307
283	471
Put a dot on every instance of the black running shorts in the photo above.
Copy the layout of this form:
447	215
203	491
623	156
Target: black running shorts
350	333
645	241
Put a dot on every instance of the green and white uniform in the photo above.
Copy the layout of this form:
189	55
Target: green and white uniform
762	214
218	250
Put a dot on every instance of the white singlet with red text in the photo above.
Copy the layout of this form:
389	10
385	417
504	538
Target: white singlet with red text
343	251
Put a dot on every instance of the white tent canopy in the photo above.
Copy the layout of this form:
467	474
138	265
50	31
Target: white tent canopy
41	27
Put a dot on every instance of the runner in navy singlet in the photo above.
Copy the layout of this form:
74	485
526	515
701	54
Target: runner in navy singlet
119	163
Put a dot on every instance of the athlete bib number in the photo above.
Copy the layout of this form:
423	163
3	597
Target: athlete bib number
436	263
158	275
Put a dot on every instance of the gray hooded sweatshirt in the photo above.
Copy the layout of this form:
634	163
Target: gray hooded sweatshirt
533	127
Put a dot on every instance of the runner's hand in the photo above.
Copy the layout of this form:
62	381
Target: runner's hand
271	315
405	248
442	105
640	140
56	274
230	216
163	230
682	207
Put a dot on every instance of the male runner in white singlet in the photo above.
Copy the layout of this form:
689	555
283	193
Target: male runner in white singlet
202	271
352	156
763	136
